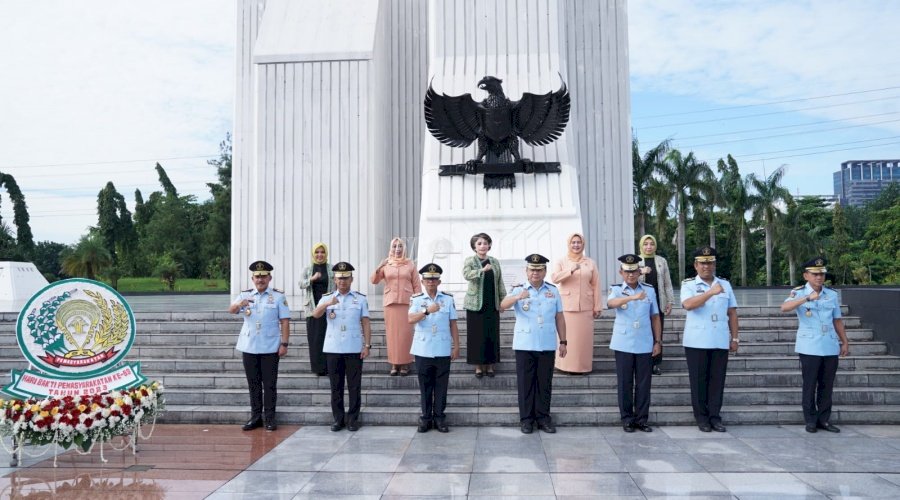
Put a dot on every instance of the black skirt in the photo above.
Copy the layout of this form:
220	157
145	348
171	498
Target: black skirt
483	328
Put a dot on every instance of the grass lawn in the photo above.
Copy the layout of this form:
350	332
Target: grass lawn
127	285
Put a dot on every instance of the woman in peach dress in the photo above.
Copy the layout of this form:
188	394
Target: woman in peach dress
579	287
401	281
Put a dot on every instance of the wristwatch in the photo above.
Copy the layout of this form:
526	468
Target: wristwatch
368	346
425	311
285	344
736	341
563	342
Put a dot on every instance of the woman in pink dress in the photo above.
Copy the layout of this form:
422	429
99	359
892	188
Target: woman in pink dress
579	287
401	281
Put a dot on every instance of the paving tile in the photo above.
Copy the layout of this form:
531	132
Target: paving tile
693	432
438	461
511	462
347	483
572	462
877	462
429	484
292	461
441	442
894	478
875	431
607	484
237	495
510	484
851	485
727	455
361	445
369	462
679	484
821	462
674	462
577	446
771	485
266	482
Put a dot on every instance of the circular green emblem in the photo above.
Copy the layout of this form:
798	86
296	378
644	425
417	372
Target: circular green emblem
75	328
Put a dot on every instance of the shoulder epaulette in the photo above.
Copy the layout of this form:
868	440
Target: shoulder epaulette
647	284
277	290
518	284
617	284
447	294
247	290
687	279
551	285
721	279
329	293
801	287
360	293
418	295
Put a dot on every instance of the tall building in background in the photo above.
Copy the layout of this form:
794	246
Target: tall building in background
860	181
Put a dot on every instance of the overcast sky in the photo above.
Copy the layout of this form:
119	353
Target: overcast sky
95	91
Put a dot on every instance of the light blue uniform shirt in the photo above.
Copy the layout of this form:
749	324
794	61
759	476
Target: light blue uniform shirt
261	332
536	327
706	327
815	333
432	338
632	331
344	332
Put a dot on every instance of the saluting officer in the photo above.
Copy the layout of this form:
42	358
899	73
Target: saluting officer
347	343
710	331
820	340
263	340
434	316
539	320
636	338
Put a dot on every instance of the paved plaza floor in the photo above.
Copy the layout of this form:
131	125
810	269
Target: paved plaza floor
221	462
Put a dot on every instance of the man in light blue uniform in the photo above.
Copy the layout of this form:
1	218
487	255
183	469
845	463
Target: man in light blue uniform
710	331
434	315
347	342
636	339
820	340
263	340
539	320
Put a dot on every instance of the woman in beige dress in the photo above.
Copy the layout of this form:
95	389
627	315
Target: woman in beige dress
579	287
401	281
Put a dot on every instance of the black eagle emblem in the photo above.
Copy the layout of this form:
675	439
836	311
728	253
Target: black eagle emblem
497	123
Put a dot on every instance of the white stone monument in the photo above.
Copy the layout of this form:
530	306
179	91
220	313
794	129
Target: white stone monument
18	282
330	142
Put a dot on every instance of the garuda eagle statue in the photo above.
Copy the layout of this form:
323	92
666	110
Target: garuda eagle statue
497	123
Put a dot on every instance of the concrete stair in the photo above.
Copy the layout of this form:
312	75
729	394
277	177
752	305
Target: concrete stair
193	355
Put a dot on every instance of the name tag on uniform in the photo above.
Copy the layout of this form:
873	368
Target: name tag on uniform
714	317
343	328
824	329
636	324
540	320
433	329
258	325
549	295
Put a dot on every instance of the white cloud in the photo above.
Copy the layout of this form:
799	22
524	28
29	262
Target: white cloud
94	81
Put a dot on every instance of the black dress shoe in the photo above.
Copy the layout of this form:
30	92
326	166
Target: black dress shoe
441	426
253	423
337	426
353	426
705	428
547	427
628	428
811	429
424	425
657	371
271	427
718	427
527	428
643	427
828	427
490	374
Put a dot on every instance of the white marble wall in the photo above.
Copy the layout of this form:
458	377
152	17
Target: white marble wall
328	144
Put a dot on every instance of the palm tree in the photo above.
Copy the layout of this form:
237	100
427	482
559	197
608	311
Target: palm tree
769	195
660	195
794	241
642	170
688	180
737	202
88	258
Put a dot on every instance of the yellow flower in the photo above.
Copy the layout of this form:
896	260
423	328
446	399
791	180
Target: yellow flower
54	411
95	406
120	402
81	408
35	408
17	407
45	413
